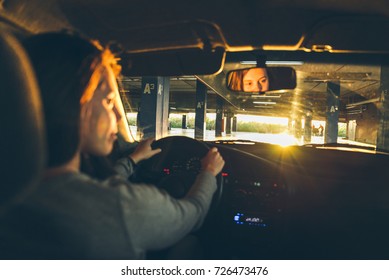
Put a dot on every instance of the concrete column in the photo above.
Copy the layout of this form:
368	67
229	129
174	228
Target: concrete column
290	125
351	130
331	131
308	128
154	111
297	127
228	122
138	128
201	110
234	124
219	116
184	124
383	125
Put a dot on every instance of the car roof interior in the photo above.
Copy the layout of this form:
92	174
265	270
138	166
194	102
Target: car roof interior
236	25
206	37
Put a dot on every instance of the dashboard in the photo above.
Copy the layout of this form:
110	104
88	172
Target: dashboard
300	203
278	202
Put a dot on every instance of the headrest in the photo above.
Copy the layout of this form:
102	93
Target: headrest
22	146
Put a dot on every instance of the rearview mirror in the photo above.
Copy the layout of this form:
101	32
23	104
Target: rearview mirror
259	80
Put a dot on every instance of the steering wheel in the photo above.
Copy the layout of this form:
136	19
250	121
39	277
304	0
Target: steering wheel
175	168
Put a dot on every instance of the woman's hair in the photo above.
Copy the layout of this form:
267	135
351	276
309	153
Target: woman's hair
68	69
235	79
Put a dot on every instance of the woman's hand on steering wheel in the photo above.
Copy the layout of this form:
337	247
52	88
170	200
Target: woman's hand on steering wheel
176	167
144	151
212	162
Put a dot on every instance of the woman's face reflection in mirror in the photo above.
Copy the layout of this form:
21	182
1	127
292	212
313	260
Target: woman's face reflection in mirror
255	80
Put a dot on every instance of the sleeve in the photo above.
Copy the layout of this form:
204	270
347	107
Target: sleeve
124	167
155	220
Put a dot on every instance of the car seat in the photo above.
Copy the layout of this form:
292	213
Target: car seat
22	145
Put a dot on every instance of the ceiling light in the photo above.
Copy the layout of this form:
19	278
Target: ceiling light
264	102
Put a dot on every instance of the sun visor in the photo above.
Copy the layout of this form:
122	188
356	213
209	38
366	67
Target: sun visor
349	34
174	62
184	48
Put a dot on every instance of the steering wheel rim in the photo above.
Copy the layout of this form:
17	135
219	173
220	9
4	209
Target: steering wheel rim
167	167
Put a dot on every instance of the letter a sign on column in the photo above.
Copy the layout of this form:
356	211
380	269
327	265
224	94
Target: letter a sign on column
148	88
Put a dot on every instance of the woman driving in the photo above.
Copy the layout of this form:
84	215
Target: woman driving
73	216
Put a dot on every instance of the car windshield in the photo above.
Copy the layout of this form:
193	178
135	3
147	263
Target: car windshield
333	103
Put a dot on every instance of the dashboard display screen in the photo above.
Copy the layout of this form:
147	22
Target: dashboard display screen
241	218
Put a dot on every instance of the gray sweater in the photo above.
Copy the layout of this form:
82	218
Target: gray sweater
77	217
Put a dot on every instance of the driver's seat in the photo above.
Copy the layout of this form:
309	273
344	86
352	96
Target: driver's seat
22	152
22	145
